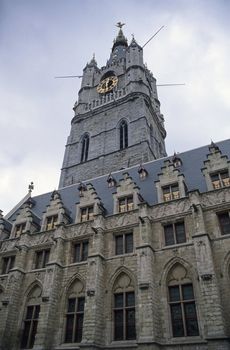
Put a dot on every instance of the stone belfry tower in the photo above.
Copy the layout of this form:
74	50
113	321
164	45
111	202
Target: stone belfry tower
117	120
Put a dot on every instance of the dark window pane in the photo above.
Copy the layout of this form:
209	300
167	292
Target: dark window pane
130	324
119	244
121	137
84	251
174	293
130	200
130	299
4	265
69	328
129	243
177	322
191	319
46	257
71	304
118	325
122	201
214	177
38	264
12	261
126	134
187	292
224	175
33	333
180	232
166	190
79	327
169	237
118	298
86	148
77	253
224	220
29	312
25	334
81	304
175	188
36	312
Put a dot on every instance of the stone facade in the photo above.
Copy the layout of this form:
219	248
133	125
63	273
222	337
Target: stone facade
66	245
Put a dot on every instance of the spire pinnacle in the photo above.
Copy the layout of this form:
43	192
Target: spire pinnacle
120	25
120	39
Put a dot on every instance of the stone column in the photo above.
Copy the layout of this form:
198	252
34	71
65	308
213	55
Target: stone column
12	302
210	294
50	296
95	289
147	314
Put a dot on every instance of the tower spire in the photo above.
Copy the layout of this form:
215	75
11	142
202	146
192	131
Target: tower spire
120	39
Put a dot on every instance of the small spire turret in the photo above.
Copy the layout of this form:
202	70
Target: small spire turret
120	39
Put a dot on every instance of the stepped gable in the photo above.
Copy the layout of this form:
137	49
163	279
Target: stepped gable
193	177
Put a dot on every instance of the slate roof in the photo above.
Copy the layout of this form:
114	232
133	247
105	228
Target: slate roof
192	163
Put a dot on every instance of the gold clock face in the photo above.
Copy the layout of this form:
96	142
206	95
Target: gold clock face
107	84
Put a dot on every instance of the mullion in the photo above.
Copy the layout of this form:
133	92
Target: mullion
182	310
124	315
28	345
74	321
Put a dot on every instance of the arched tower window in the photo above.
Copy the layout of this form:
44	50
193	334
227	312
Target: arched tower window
124	309
123	134
182	304
84	148
31	318
75	312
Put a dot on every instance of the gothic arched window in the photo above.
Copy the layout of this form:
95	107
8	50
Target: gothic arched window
84	148
182	303
31	317
75	312
123	129
124	309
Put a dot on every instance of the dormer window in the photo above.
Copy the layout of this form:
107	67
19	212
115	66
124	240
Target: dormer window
220	179
86	213
171	192
51	222
82	188
125	204
19	229
111	181
142	172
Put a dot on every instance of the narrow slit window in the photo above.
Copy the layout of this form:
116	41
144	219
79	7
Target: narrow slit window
85	148
123	135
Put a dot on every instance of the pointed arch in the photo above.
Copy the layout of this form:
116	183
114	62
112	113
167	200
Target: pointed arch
74	310
172	262
31	315
85	147
121	270
181	299
123	134
123	306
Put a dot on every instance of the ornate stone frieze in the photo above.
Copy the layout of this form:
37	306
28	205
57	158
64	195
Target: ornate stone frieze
172	208
121	220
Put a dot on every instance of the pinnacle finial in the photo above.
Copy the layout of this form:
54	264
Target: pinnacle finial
31	187
120	25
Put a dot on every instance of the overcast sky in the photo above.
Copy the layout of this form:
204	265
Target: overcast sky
40	39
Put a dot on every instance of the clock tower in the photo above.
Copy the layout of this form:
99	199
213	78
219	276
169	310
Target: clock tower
117	121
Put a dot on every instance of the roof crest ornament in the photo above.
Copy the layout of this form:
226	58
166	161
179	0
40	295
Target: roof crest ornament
31	187
120	25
